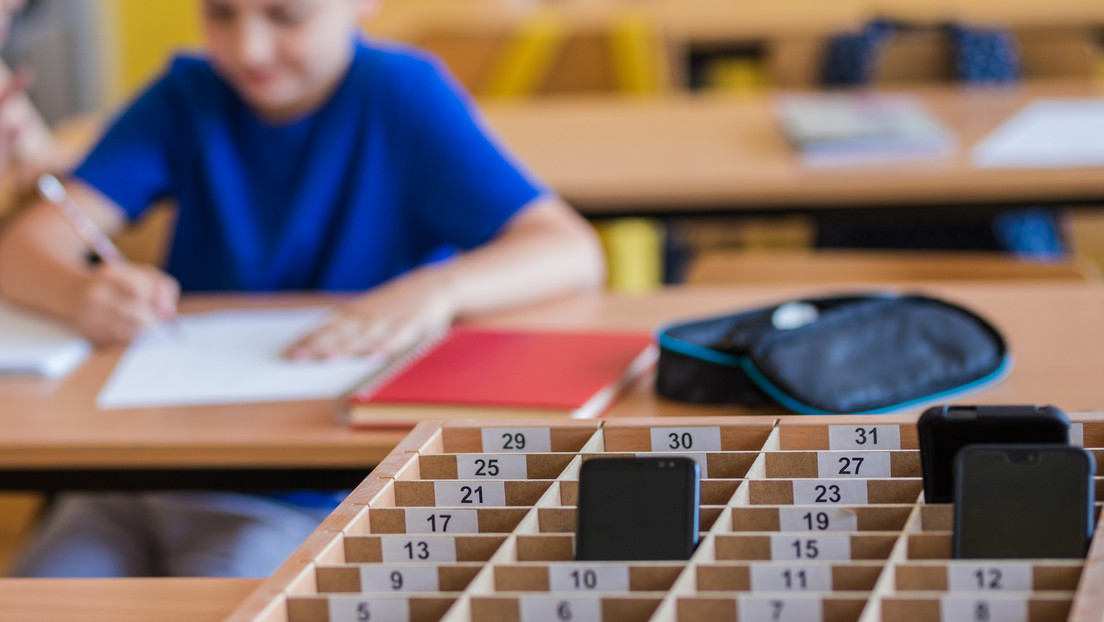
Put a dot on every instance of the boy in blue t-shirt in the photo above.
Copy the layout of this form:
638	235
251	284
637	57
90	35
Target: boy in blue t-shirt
301	158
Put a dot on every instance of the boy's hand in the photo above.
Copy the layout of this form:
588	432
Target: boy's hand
119	300
388	319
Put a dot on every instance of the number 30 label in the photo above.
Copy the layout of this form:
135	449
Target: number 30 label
686	439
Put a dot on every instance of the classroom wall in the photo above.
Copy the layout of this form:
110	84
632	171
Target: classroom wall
141	37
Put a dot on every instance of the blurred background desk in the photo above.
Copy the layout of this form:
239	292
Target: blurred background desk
52	436
678	155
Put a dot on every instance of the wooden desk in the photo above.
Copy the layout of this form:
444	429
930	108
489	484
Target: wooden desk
685	154
53	429
122	600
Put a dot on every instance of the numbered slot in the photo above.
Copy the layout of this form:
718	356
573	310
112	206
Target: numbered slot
563	520
981	607
364	608
679	437
594	578
873	433
988	576
804	547
857	576
562	608
820	518
443	520
430	548
834	491
468	493
475	466
771	608
395	578
861	464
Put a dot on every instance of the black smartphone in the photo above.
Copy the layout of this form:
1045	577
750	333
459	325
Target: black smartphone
1023	501
944	430
637	509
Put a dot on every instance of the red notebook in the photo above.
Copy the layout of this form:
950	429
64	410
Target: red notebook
483	373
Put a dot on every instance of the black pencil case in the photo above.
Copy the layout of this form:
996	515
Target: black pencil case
834	355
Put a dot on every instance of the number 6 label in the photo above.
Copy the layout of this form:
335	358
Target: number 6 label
686	439
557	609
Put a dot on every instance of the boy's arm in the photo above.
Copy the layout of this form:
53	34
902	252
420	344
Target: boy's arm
44	265
544	250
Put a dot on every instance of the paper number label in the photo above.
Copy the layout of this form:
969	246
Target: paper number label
1077	434
500	466
588	578
989	577
686	439
805	518
360	609
779	609
775	578
424	549
810	548
861	464
864	437
988	609
527	440
463	493
829	491
433	520
375	578
559	609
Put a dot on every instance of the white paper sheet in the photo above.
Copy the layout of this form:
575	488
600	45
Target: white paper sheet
1047	133
229	357
32	344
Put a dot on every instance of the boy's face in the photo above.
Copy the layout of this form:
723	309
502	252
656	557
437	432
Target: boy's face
283	57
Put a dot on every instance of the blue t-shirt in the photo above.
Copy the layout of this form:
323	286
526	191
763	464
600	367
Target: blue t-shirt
395	169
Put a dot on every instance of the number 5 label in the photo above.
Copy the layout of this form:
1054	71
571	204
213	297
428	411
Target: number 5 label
361	609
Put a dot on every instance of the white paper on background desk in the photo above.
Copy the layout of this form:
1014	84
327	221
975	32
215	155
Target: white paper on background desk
1047	133
229	357
33	344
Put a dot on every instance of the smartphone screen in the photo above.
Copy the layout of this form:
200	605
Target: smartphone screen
637	509
1023	501
944	430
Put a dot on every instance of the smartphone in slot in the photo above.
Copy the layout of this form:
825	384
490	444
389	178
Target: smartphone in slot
637	509
944	430
1024	501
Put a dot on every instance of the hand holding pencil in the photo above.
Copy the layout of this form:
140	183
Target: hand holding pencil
120	299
